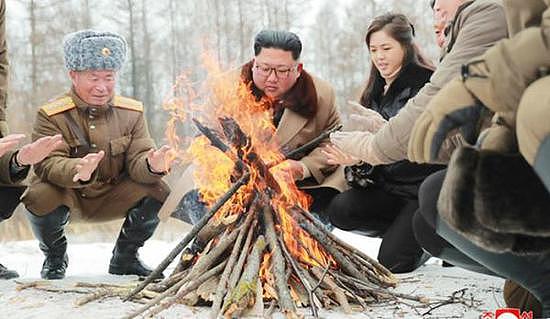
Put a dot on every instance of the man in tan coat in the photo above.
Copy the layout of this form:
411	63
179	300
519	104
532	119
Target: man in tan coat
302	106
108	167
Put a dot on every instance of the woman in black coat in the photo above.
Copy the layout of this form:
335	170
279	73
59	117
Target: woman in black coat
383	198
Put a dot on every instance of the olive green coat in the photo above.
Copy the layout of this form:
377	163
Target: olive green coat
122	177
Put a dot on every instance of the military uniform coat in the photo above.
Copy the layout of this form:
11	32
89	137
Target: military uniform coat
122	177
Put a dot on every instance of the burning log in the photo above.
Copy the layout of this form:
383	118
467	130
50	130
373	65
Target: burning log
192	233
258	245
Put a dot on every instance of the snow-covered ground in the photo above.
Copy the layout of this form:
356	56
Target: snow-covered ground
88	263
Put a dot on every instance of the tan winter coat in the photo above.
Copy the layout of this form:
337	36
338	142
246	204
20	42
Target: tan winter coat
294	130
477	27
521	60
122	177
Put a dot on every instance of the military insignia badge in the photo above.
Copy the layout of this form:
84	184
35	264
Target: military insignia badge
106	52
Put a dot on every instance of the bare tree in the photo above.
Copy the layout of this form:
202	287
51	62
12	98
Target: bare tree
130	6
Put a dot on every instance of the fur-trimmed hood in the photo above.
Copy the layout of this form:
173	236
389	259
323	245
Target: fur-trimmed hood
301	98
497	201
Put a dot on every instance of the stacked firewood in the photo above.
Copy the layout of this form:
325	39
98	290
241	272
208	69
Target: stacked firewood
256	257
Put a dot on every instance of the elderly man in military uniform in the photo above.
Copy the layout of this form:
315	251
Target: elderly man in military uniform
14	167
108	168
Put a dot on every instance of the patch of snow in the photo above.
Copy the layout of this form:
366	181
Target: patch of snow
88	262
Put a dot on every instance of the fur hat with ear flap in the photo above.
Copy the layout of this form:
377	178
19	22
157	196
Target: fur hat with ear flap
497	201
94	50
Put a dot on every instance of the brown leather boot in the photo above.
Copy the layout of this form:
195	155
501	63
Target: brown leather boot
516	296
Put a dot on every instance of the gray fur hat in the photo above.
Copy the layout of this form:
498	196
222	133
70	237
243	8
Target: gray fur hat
94	50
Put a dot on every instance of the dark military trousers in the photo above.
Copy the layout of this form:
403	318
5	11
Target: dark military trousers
9	199
530	271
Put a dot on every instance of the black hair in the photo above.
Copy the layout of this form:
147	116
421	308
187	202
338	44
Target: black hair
432	4
398	27
278	39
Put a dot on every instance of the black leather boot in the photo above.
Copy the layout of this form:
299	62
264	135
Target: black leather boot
140	223
49	231
5	273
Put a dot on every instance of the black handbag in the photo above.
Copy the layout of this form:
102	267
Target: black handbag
360	176
401	178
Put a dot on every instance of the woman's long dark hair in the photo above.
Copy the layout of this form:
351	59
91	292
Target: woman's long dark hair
400	29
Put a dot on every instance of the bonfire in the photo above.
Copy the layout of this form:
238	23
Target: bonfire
257	247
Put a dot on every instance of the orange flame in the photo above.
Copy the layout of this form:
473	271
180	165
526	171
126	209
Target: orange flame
224	95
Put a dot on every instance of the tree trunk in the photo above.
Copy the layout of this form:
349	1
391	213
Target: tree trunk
132	47
148	97
34	55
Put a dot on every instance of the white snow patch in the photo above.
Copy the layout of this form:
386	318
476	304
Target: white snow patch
88	262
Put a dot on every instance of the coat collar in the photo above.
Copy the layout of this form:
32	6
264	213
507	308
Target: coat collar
411	75
83	106
451	33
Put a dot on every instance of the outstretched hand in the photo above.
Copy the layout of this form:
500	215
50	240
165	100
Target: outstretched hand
87	165
292	168
35	152
9	142
159	160
335	156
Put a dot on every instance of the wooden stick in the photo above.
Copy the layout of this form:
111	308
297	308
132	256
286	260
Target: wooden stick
204	263
297	153
338	292
236	274
222	284
185	241
190	286
285	300
390	276
382	291
352	293
303	279
168	282
98	294
244	293
342	260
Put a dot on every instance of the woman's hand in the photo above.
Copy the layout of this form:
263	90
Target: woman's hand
335	156
356	144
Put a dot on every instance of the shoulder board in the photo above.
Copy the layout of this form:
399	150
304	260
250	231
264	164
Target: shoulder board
127	103
58	106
